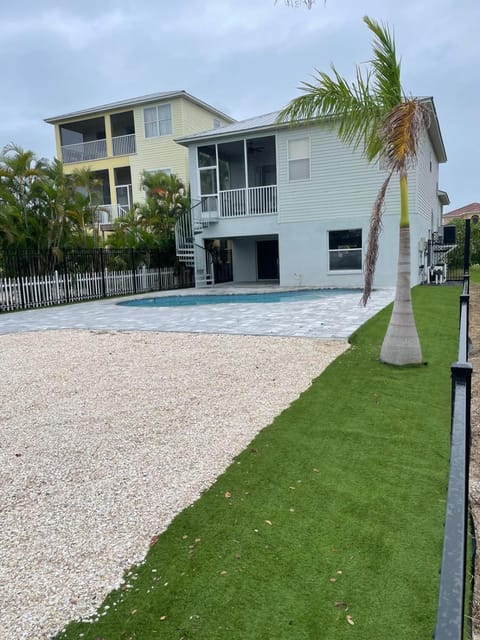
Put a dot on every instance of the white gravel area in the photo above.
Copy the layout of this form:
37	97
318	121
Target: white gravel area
106	436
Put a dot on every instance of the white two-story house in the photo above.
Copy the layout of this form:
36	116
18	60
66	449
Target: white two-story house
292	204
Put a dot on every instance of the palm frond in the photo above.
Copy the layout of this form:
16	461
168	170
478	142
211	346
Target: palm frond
401	130
386	67
373	237
350	107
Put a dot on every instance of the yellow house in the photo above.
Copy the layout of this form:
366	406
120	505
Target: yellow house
118	141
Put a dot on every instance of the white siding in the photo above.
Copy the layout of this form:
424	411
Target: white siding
340	194
428	205
157	153
342	182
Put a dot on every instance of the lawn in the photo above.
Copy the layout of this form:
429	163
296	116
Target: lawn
328	526
475	273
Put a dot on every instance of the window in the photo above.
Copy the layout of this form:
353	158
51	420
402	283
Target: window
158	121
345	250
299	159
207	164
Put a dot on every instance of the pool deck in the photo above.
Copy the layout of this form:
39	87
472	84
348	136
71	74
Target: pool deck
335	317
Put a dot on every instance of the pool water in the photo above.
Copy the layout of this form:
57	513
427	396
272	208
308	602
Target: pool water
238	298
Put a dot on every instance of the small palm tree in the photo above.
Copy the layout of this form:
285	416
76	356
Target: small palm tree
374	113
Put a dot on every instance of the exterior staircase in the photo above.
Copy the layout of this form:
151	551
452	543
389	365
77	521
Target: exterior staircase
188	225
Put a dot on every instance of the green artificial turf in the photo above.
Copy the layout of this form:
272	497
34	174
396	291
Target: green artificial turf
334	510
475	274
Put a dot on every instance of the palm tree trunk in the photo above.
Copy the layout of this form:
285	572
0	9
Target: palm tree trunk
401	344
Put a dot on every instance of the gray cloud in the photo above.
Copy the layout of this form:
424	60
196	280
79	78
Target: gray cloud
244	56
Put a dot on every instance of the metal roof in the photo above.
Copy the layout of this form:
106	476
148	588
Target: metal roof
132	102
268	121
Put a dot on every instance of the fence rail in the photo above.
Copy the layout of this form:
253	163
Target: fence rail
451	602
30	281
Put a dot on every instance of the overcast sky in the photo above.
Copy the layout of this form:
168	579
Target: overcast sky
245	57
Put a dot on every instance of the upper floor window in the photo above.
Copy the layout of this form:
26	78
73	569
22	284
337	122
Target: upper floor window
299	159
207	165
345	250
158	120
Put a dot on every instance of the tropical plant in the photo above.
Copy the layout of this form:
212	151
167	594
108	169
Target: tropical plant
456	256
374	113
41	207
19	169
152	223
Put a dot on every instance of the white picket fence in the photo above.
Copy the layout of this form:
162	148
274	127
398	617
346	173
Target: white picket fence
43	291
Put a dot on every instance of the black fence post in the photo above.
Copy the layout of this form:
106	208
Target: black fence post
65	273
102	267
157	251
134	275
466	253
19	269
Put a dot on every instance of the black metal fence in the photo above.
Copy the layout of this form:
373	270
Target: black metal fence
445	256
451	603
30	279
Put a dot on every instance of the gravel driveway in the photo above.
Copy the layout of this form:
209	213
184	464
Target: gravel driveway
106	436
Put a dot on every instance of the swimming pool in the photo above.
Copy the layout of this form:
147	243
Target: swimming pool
238	298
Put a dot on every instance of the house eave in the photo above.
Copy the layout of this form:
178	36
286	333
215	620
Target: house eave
134	102
443	197
434	132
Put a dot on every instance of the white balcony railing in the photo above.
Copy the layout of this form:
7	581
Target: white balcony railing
83	151
108	213
124	145
248	202
262	200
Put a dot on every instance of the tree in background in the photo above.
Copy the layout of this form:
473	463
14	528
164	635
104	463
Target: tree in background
373	113
455	257
152	223
41	207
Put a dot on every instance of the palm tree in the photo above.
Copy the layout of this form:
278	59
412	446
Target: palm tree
374	113
19	169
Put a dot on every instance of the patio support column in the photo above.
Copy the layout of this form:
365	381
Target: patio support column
247	196
217	171
111	184
108	136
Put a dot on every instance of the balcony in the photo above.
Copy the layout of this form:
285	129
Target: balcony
235	203
84	151
124	145
253	201
106	214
